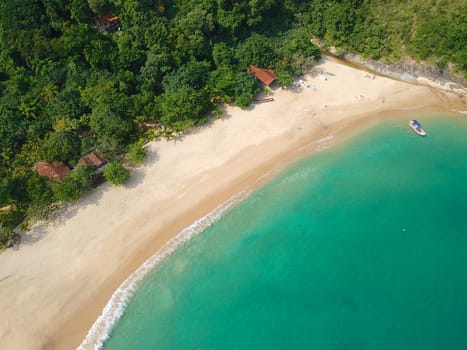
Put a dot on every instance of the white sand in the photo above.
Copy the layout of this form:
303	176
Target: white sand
56	283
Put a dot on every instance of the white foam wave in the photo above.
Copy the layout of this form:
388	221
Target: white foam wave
411	108
115	307
461	112
326	139
320	144
324	142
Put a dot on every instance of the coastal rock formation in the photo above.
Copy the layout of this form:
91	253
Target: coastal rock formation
406	69
411	71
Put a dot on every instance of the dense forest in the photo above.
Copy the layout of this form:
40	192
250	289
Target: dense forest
74	78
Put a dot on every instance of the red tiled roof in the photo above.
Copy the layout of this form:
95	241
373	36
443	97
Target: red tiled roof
52	170
110	18
107	22
92	159
266	76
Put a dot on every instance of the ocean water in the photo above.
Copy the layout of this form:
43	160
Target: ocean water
361	246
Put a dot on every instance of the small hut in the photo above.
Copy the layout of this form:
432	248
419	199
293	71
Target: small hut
92	159
53	170
107	23
264	75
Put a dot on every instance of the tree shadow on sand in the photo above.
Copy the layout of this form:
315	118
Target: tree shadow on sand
62	214
138	173
91	198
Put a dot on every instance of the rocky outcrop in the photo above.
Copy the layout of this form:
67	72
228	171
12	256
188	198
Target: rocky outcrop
406	69
409	70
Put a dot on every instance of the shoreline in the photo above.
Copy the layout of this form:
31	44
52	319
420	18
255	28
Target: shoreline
207	170
178	239
117	303
406	70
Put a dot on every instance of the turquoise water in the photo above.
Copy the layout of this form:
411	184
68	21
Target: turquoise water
363	246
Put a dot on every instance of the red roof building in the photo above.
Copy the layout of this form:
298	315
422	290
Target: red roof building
266	76
52	170
92	159
106	23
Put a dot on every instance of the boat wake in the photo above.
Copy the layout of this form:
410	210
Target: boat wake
116	306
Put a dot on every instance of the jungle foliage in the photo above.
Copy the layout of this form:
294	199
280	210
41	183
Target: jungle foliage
430	30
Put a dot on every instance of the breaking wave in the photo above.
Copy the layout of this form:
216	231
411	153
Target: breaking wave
326	139
116	306
324	142
458	111
412	108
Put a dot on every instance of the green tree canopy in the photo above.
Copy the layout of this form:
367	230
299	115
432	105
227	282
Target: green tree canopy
13	130
99	6
223	55
67	104
72	187
137	153
257	50
185	107
108	125
61	146
194	74
116	173
38	189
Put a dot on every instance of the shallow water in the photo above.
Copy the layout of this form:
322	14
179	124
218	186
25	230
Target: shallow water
363	246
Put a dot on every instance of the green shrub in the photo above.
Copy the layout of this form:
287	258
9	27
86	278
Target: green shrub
8	238
11	218
116	173
137	153
72	187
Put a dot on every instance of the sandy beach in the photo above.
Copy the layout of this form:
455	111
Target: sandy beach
56	283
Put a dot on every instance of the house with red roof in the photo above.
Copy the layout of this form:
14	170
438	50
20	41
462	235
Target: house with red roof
264	75
53	170
107	23
92	159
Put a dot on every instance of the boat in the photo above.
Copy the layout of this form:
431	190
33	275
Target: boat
416	126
